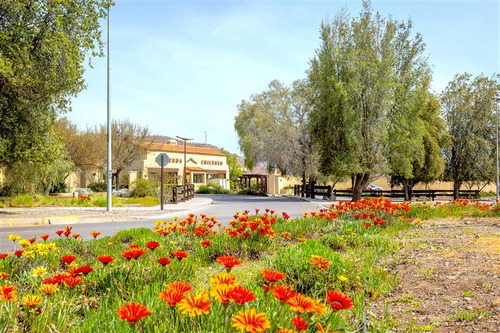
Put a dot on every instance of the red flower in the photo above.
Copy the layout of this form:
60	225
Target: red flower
338	301
44	237
179	254
132	312
300	323
272	276
72	281
164	261
105	259
67	259
67	233
367	224
75	236
171	296
59	232
95	233
205	243
228	261
152	245
283	293
18	253
84	270
32	240
3	255
133	253
242	295
50	281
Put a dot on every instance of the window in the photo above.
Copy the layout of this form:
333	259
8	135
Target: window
198	178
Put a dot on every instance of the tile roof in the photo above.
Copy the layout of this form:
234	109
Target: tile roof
180	149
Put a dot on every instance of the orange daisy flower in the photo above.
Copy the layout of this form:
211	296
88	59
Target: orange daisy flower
205	243
300	323
132	312
95	233
283	293
3	275
242	295
133	252
195	305
223	278
48	289
338	301
72	281
222	293
32	300
105	259
8	293
44	237
272	276
302	304
179	286
171	296
320	262
251	321
67	259
228	261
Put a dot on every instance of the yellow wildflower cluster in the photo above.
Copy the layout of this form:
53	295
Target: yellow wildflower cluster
40	249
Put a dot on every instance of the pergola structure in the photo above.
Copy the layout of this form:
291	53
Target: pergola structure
260	180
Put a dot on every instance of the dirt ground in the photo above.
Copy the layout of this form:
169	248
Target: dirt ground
449	277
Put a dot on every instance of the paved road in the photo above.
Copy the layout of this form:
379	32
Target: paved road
223	208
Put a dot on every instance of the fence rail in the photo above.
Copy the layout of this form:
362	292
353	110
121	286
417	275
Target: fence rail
182	193
327	192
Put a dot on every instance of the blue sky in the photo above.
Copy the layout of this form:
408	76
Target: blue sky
182	67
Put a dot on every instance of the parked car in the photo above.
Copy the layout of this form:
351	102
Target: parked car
370	187
123	193
82	192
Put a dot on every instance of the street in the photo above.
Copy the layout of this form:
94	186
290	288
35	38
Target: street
223	208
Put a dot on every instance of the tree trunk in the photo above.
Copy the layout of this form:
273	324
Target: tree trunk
117	175
456	188
360	181
408	189
303	184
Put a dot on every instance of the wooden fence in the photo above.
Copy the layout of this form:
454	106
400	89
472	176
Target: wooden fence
327	192
182	193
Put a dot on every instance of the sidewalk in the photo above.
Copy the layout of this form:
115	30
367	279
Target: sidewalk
16	217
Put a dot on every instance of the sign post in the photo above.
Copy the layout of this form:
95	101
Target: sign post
162	160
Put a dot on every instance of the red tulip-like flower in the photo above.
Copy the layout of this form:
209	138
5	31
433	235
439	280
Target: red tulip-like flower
18	253
152	245
133	253
75	236
179	254
95	233
300	323
338	301
67	259
72	281
84	270
132	312
164	261
59	232
205	243
32	240
3	255
105	259
228	261
44	237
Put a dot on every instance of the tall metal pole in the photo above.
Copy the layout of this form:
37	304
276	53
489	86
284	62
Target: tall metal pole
497	182
184	176
109	168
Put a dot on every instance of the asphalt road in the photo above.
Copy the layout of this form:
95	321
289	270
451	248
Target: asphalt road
223	208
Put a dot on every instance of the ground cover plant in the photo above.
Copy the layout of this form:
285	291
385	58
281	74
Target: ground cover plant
261	272
28	200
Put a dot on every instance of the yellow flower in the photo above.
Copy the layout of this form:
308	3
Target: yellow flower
251	321
172	242
195	305
24	243
32	300
28	254
342	278
223	279
13	237
175	218
48	289
39	272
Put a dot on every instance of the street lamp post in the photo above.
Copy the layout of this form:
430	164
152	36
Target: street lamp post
109	167
184	174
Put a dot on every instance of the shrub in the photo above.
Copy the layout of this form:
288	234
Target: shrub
143	188
98	187
212	188
23	200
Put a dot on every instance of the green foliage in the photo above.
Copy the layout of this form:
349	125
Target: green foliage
212	188
143	188
98	187
235	169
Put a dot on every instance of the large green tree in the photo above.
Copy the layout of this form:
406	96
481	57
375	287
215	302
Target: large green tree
468	107
273	129
354	74
43	47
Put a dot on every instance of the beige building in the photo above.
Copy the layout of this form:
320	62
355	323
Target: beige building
203	164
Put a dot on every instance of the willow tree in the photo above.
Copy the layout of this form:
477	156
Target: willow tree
273	129
468	107
353	76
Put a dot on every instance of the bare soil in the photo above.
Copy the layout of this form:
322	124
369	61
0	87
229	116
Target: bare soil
449	278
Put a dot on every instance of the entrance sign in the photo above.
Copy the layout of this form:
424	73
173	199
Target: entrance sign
162	161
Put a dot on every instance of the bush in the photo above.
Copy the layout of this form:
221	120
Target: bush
212	188
98	187
143	188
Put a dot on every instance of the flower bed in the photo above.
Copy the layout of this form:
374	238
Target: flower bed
263	272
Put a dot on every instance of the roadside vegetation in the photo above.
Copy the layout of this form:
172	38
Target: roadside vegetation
28	200
261	272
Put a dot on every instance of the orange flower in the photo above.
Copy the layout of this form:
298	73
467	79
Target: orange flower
67	259
228	261
48	289
205	243
105	259
171	296
223	278
272	276
242	295
286	330
95	233
251	321
195	305
283	293
152	245
8	293
179	254
222	293
133	252
32	300
326	329
300	323
301	239
300	303
179	286
132	312
44	237
72	281
338	301
320	262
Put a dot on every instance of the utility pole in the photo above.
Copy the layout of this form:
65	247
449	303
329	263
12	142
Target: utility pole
109	166
184	174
